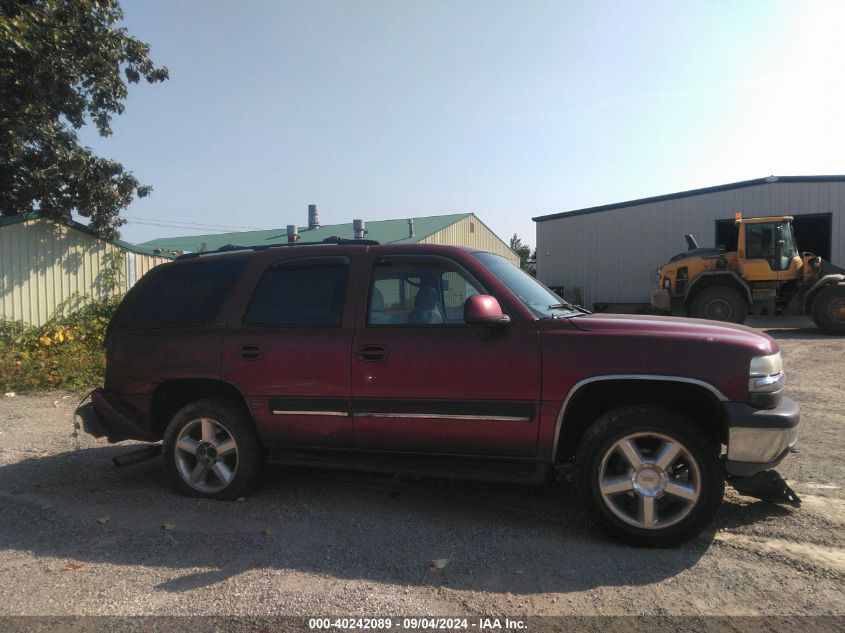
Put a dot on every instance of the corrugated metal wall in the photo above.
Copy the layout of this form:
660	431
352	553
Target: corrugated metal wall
613	255
43	264
472	232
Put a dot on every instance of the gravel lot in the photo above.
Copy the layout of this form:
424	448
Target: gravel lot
79	536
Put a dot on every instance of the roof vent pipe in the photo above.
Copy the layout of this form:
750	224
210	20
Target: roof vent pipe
410	227
313	217
359	228
293	236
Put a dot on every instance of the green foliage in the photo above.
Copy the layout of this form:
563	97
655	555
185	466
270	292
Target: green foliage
113	272
524	252
67	352
64	64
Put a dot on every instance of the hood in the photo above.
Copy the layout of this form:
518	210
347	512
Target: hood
676	327
703	253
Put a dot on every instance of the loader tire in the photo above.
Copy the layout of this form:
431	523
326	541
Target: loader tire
828	309
719	303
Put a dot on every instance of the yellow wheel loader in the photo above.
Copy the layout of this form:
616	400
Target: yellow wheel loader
765	275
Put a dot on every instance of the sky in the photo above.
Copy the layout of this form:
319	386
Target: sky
394	109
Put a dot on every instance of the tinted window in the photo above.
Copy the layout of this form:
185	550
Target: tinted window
770	241
299	294
419	292
760	241
182	295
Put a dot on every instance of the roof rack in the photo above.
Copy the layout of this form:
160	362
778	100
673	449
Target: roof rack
228	248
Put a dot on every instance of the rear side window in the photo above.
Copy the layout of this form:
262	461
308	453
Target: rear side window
185	295
301	292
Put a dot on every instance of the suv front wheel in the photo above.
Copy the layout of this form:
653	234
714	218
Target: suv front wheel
211	450
649	475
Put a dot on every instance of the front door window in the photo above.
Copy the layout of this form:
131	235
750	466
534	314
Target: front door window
419	292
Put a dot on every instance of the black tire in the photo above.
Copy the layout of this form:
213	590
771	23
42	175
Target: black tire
619	512
828	309
226	422
719	303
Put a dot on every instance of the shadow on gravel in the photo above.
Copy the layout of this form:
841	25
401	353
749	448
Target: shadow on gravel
749	512
799	333
501	538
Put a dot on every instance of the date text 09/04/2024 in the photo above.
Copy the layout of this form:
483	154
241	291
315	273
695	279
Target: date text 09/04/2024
416	624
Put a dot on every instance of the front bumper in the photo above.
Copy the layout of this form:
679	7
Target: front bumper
106	416
759	439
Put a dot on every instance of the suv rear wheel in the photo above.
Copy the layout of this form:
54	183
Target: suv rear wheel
649	475
211	450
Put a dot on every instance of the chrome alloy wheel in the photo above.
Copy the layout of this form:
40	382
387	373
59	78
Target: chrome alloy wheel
649	480
206	455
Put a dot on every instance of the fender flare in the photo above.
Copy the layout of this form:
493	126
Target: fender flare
573	391
827	280
709	274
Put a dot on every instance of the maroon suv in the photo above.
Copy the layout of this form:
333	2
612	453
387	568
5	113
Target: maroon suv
441	360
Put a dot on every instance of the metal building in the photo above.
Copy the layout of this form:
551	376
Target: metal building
607	256
457	229
44	264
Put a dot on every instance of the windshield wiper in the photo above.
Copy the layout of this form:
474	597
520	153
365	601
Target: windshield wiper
568	306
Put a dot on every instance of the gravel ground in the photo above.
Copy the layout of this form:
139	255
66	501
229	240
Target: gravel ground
78	536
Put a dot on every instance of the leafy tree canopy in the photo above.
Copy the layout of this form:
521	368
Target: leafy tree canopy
524	252
64	64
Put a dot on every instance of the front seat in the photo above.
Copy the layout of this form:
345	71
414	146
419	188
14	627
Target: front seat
426	310
377	314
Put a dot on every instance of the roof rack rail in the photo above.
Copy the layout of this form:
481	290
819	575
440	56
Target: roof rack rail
228	248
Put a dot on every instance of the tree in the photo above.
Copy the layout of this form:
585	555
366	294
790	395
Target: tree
64	64
524	252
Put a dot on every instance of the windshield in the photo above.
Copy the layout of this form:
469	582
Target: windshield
542	302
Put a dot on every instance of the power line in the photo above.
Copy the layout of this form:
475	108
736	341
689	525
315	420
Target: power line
180	226
195	224
187	226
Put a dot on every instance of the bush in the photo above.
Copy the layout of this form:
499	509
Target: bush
66	352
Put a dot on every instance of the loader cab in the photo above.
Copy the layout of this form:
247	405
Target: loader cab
766	249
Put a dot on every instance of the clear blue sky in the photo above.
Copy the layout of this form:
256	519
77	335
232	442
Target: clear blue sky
378	110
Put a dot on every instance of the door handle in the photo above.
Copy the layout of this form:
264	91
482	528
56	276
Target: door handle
372	353
250	352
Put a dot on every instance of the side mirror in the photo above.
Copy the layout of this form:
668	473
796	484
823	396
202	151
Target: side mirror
485	311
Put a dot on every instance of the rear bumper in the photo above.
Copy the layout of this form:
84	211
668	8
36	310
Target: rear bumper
106	417
759	439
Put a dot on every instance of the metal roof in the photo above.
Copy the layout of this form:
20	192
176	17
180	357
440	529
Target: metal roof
382	231
692	192
8	220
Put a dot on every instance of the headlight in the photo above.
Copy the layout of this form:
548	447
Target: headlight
766	380
766	365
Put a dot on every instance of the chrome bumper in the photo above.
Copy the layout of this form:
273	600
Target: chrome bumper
758	439
759	445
